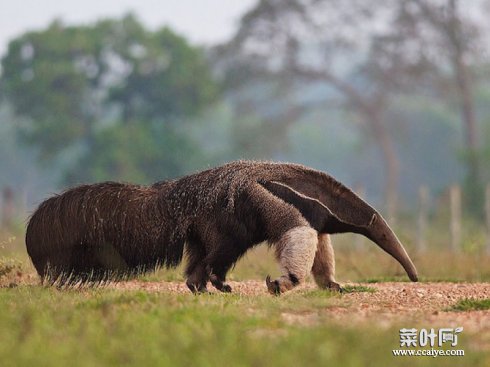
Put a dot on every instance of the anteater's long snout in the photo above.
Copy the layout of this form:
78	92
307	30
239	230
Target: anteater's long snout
384	237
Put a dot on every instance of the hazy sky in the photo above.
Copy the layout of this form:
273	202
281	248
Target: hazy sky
202	21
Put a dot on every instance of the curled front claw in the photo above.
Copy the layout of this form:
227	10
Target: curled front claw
333	286
273	286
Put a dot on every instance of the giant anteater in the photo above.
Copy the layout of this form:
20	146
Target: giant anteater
110	230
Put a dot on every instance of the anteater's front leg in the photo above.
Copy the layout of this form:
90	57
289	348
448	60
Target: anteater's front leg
324	265
295	252
288	231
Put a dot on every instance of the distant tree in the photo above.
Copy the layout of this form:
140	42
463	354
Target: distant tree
132	153
365	55
86	91
51	78
439	45
166	78
320	43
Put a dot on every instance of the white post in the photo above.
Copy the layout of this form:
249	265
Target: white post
487	214
1	208
422	218
455	225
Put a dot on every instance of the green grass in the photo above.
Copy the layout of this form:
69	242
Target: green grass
385	279
404	279
45	327
358	288
41	326
471	305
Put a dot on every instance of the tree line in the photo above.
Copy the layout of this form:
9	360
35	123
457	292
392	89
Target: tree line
114	100
107	98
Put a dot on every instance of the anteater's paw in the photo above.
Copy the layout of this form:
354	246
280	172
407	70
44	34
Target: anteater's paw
197	289
226	288
219	284
335	287
273	286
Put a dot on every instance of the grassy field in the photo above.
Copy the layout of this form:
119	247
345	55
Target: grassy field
42	326
45	327
471	304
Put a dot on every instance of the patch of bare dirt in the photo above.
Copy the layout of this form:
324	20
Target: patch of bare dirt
410	303
418	302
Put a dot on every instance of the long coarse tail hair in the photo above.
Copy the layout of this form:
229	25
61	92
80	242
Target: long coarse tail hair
102	232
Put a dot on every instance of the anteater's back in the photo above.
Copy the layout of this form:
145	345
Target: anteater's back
94	231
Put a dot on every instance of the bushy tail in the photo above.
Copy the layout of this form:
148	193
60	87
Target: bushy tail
101	232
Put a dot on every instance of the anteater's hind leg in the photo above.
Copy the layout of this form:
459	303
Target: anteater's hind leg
224	251
197	279
196	270
219	265
219	282
324	265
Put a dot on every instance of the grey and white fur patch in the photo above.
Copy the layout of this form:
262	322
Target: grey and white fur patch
296	251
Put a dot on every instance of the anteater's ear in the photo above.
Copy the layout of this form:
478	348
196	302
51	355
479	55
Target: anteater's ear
319	215
342	202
